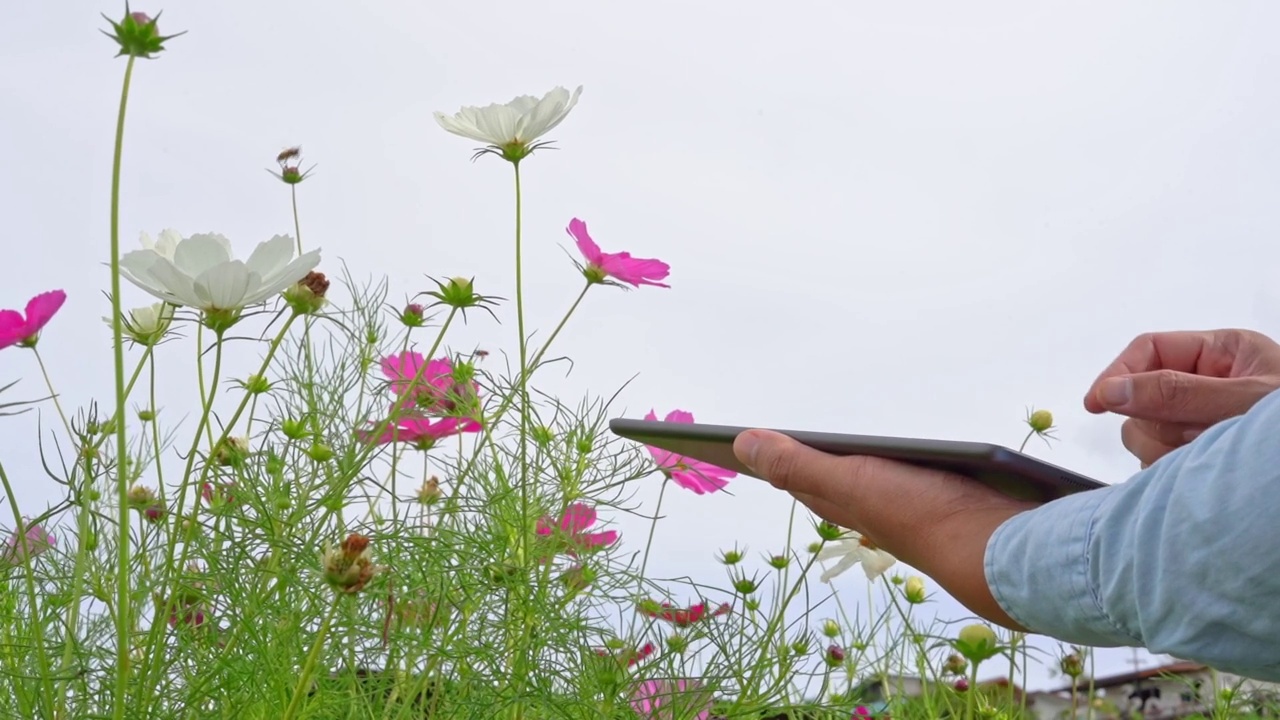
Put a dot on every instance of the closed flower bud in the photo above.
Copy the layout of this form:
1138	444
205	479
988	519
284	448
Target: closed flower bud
232	451
731	557
977	643
801	646
1040	421
1071	665
307	296
914	590
542	435
256	385
140	497
779	562
347	567
146	415
293	429
289	160
413	315
745	585
814	548
831	629
320	452
430	491
955	665
459	293
834	655
829	532
146	325
137	35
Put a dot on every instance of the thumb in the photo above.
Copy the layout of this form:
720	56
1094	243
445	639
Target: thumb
1178	397
786	463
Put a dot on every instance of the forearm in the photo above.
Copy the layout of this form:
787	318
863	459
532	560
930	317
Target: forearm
1183	559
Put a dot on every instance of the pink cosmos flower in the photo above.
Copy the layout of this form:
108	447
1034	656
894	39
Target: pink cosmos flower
39	540
421	432
667	700
619	266
437	391
15	329
682	617
688	473
573	525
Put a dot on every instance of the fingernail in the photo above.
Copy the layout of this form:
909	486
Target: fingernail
1190	435
1116	392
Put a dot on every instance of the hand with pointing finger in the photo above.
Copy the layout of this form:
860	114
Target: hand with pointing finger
1174	385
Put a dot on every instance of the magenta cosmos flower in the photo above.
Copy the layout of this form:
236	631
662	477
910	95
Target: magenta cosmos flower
438	390
421	432
619	266
671	699
15	329
39	540
688	473
573	529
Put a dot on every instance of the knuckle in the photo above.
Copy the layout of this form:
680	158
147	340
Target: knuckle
1171	388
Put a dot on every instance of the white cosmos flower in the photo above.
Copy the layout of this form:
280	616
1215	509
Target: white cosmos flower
166	245
146	325
202	274
512	127
852	548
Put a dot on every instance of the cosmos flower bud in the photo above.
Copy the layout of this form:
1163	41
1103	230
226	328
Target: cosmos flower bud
430	491
347	567
306	297
914	590
413	315
137	34
977	642
1041	421
834	656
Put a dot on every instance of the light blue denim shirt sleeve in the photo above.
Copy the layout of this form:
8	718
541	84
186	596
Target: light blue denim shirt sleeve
1183	558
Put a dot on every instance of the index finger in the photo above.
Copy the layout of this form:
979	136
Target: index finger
1178	351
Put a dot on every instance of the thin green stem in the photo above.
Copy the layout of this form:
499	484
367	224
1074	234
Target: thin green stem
54	395
297	228
23	542
309	667
524	378
1026	440
510	397
123	614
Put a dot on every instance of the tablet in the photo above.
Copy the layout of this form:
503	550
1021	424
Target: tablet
1009	471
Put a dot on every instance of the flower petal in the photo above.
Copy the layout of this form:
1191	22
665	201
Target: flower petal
201	252
41	308
590	250
288	275
170	284
223	287
272	256
11	328
577	518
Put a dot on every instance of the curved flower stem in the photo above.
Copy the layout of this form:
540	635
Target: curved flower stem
309	667
46	677
54	395
124	620
1026	440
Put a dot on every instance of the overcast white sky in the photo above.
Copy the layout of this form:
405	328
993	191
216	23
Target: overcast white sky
892	218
